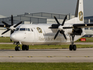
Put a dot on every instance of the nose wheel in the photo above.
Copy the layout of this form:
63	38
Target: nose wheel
17	48
72	46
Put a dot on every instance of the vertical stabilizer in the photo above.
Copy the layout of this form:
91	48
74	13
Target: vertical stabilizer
79	11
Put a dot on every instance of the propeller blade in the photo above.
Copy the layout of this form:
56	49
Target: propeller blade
11	19
12	31
64	20
18	24
5	31
57	20
5	24
62	32
1	25
56	34
64	36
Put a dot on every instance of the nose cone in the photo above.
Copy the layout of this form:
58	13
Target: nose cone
13	37
17	36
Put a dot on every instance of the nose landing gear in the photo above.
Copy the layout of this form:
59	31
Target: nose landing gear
24	47
17	48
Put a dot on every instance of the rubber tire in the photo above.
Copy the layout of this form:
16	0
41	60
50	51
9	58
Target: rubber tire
74	47
26	47
23	47
17	48
70	47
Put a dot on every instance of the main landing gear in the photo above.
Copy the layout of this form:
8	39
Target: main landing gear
72	46
25	47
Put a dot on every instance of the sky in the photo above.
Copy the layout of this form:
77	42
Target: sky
17	7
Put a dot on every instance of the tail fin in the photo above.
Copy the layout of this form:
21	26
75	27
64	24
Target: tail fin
79	13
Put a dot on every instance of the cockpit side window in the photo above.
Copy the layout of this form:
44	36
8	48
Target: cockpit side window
17	29
31	29
28	29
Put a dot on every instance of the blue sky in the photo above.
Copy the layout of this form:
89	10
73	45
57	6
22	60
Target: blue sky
15	7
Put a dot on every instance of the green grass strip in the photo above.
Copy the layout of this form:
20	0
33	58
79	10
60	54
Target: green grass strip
46	66
11	46
7	39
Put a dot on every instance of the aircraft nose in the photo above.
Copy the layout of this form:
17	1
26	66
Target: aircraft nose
13	37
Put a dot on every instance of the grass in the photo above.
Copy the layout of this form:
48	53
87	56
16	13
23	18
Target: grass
11	46
7	39
46	66
88	39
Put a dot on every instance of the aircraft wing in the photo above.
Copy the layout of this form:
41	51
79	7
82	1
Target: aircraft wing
82	25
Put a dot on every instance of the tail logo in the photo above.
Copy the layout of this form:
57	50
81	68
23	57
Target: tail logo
81	16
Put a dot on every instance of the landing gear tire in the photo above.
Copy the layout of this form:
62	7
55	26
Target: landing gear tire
25	47
72	47
17	48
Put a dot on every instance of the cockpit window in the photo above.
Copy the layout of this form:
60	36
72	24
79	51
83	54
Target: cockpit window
28	29
17	29
31	29
22	29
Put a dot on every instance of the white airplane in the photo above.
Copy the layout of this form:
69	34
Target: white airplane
49	34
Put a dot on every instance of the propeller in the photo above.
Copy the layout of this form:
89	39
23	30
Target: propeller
10	27
60	27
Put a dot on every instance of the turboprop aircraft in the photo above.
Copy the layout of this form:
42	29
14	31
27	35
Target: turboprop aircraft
49	34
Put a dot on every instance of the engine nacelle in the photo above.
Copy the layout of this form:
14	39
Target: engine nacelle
77	31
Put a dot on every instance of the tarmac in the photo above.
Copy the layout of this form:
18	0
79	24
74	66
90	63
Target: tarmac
48	55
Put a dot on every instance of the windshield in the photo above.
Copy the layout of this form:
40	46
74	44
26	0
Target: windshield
22	29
